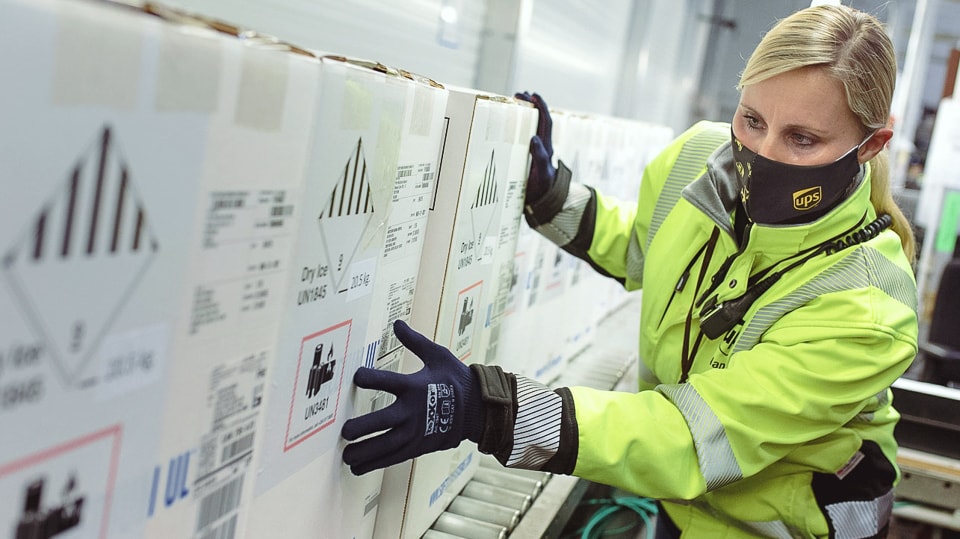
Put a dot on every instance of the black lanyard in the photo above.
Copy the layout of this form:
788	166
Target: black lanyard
716	319
689	353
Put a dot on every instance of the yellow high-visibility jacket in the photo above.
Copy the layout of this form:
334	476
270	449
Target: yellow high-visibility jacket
780	427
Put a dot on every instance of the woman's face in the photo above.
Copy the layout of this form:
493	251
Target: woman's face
801	117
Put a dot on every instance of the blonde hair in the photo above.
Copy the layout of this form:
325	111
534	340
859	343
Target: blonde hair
855	49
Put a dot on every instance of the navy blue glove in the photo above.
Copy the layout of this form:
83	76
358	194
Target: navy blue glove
542	172
437	407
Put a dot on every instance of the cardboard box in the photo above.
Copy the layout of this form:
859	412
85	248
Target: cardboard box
518	342
247	224
370	172
547	284
561	296
107	132
470	241
406	225
150	283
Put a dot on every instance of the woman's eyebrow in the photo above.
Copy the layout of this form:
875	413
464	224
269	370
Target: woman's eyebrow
798	127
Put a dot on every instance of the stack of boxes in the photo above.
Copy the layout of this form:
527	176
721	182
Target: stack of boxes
464	277
207	231
362	219
245	235
558	295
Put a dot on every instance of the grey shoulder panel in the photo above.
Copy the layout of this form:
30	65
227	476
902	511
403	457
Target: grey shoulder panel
692	159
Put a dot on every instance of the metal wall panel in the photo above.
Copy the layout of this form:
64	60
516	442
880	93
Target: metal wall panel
667	61
407	34
571	52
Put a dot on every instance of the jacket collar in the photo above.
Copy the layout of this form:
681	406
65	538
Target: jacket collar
715	193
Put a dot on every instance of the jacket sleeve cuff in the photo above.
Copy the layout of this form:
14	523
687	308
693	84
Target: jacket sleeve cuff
498	390
544	209
565	461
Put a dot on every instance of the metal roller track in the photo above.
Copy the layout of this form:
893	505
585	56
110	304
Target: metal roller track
501	503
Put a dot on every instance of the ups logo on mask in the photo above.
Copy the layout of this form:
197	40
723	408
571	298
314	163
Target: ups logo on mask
807	198
743	171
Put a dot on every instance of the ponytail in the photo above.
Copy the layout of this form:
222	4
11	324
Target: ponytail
882	199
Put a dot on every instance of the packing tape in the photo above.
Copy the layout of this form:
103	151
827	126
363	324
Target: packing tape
495	121
188	71
357	105
95	65
423	100
263	89
510	125
528	127
387	154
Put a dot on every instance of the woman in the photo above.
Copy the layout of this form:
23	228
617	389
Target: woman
779	306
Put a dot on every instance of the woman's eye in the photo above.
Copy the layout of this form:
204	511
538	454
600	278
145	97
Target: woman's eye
751	121
802	140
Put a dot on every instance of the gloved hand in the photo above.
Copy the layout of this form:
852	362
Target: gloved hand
542	171
437	407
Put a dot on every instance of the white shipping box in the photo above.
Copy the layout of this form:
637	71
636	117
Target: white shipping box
517	342
555	315
406	225
548	319
504	279
104	140
529	345
587	135
362	219
547	323
251	192
471	235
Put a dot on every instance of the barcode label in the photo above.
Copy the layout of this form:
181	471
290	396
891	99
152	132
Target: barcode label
207	454
226	530
220	502
278	211
236	447
227	203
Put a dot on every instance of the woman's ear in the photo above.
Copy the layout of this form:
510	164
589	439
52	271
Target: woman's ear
874	145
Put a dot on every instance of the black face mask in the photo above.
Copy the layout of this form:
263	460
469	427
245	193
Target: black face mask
777	193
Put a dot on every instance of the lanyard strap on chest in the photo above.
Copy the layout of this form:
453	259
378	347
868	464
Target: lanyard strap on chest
690	352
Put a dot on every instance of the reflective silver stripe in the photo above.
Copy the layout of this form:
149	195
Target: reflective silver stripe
536	433
854	520
688	166
891	279
565	225
774	528
635	257
882	400
862	268
691	160
850	520
717	463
